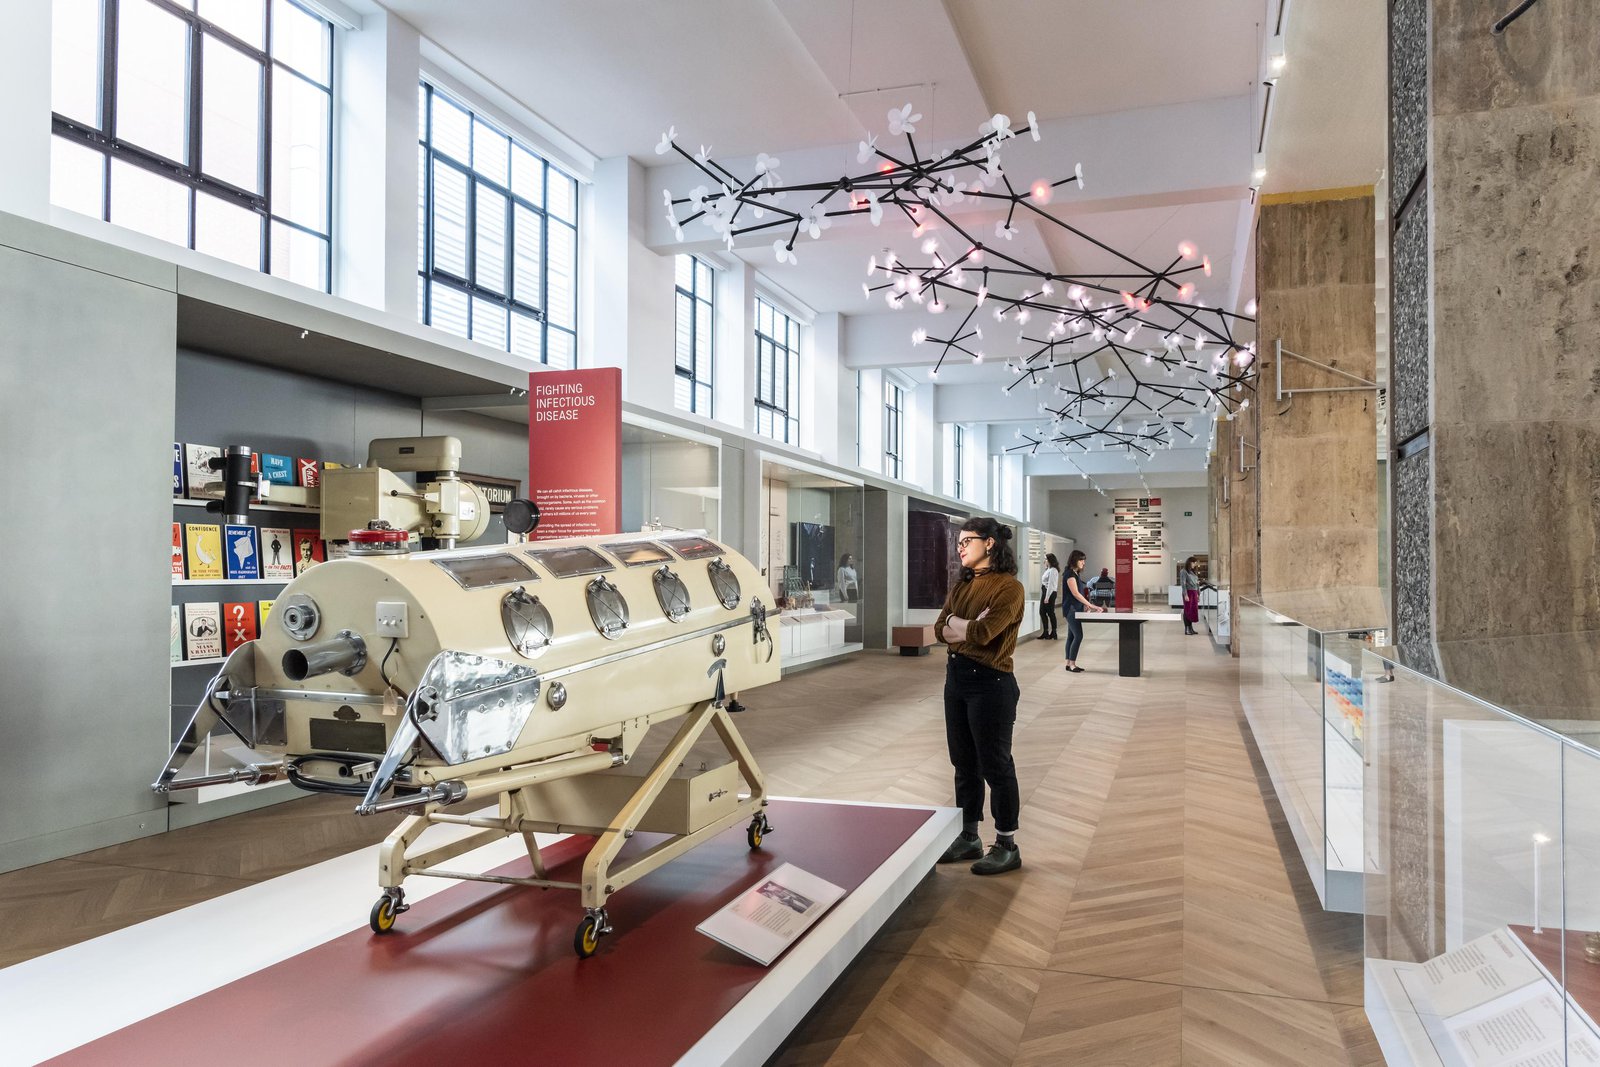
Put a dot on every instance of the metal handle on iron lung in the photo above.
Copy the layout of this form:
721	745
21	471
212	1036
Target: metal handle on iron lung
345	652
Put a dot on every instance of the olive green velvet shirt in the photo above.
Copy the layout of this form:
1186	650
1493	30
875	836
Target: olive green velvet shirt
992	639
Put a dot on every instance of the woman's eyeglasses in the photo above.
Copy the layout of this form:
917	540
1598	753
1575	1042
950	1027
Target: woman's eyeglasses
961	542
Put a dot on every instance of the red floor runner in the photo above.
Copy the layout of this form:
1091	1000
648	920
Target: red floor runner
486	974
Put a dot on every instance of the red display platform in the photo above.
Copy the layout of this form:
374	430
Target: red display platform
486	973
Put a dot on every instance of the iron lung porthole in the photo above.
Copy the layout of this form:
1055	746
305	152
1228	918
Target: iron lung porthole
607	608
724	583
672	593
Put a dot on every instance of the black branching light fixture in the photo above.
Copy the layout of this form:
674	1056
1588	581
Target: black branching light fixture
1130	356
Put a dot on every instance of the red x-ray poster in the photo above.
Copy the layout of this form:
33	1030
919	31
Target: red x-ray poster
1124	574
575	451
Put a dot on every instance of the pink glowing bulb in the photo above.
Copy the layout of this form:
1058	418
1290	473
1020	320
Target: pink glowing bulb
1205	261
1185	291
1186	249
1042	192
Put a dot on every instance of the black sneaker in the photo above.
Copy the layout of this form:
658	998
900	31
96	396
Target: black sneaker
734	707
999	860
961	849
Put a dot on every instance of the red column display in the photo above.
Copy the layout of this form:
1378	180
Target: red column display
575	451
1124	574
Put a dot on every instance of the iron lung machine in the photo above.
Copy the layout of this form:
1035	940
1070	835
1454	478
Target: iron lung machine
503	691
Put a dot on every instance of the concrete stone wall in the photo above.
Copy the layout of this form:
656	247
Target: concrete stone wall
1318	467
1515	435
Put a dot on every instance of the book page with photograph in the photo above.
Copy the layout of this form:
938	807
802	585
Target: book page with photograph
772	914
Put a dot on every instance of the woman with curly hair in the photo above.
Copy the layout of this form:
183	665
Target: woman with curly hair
979	624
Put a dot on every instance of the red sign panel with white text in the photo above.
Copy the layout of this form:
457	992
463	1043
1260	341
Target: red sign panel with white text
575	451
1124	574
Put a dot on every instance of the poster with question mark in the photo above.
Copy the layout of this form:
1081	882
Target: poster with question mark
238	625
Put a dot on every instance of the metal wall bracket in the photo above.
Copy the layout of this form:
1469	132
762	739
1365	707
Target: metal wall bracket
1288	394
1243	467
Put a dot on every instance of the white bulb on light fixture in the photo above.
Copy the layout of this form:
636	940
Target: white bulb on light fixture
977	357
1277	57
999	314
1046	289
872	266
919	336
929	245
1075	293
978	331
933	373
1245	402
983	294
1250	309
866	290
936	306
1024	315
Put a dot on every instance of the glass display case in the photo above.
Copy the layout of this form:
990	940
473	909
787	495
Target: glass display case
1481	939
670	480
812	555
1302	692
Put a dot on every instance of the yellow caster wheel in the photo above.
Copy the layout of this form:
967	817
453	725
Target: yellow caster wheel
386	911
587	939
758	827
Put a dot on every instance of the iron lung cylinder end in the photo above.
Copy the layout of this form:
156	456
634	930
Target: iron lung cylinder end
345	652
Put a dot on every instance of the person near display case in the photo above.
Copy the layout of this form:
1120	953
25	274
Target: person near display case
1049	589
846	581
979	624
1077	602
1191	595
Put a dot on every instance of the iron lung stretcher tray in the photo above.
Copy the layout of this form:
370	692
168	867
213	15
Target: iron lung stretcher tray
522	676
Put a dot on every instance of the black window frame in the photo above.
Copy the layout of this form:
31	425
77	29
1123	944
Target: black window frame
894	411
430	274
698	316
785	354
103	139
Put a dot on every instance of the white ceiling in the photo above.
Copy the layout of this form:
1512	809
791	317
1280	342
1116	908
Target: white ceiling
1158	99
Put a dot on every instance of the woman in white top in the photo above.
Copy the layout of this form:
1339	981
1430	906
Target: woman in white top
1049	590
845	580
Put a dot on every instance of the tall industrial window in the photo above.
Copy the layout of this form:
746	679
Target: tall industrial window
960	461
777	374
894	409
696	283
211	128
497	236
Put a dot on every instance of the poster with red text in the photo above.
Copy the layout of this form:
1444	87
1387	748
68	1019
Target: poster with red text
1124	574
575	451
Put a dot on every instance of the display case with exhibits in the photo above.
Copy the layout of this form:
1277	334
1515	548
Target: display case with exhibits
671	478
1301	690
813	556
1482	934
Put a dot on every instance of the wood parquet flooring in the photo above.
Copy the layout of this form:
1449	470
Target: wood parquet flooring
1160	918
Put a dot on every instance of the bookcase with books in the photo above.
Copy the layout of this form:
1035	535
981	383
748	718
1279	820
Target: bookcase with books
226	578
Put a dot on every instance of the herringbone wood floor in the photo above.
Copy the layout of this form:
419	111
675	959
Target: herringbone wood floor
1160	918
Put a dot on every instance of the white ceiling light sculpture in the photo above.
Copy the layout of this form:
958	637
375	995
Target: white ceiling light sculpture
1124	349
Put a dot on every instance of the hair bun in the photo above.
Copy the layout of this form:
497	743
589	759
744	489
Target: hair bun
1005	533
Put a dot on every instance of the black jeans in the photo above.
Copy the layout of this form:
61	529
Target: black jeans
1074	635
980	709
1047	618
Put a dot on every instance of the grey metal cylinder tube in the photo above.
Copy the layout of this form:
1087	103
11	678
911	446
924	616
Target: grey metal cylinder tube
345	652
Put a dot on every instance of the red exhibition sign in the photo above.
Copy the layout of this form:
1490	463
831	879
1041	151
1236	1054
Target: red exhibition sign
1124	574
575	451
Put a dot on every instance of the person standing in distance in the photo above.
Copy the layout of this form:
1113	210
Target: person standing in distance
1191	596
1048	591
1077	602
979	624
